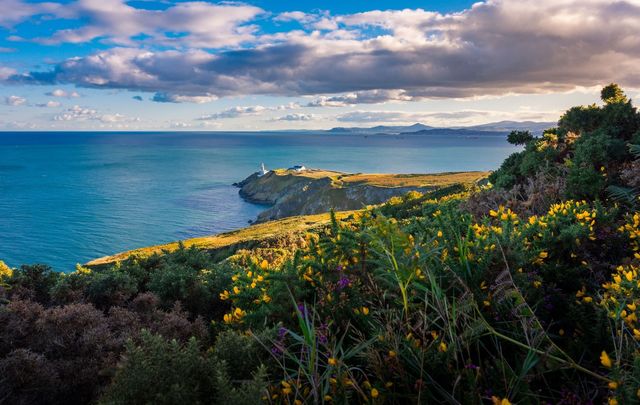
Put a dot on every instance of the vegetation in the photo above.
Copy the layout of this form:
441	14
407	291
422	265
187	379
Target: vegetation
387	180
283	230
527	291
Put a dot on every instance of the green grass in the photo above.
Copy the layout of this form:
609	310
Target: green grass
238	238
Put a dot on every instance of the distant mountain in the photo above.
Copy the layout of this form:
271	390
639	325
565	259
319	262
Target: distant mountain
507	126
382	129
470	132
494	127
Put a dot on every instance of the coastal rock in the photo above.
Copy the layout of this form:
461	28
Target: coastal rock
315	191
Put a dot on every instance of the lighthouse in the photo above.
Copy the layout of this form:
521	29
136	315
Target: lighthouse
262	171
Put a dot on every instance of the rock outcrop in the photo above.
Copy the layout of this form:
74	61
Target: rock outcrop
314	191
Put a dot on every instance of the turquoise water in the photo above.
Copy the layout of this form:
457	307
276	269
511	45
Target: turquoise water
66	198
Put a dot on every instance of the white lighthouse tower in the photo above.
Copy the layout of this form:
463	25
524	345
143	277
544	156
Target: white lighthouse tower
262	171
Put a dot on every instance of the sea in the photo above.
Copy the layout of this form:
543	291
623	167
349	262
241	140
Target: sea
69	197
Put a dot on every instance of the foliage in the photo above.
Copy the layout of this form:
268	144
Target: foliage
590	142
167	372
519	137
523	291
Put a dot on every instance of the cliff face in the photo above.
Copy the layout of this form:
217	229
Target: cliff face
314	191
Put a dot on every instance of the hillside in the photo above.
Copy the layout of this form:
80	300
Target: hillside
284	232
313	191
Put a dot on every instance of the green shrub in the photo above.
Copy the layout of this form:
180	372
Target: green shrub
166	372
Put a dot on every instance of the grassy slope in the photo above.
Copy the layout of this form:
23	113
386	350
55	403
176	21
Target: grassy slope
268	230
389	180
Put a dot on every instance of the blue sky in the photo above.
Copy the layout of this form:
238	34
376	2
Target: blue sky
204	65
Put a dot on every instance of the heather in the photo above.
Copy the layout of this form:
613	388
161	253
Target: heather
522	288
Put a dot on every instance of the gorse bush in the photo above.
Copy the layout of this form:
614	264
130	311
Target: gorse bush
590	143
157	371
525	290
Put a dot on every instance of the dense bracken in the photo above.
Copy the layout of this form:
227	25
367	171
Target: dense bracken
525	289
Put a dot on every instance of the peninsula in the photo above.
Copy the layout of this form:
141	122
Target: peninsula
312	191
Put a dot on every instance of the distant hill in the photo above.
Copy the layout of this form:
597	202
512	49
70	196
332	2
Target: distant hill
382	129
495	127
455	132
507	126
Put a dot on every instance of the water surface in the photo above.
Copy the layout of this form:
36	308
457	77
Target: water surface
66	198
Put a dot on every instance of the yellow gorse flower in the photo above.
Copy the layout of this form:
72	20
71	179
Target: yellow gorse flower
605	360
500	401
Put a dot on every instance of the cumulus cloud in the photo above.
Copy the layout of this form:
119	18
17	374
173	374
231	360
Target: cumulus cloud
180	125
297	117
78	113
239	111
15	101
6	72
177	98
196	23
360	97
49	104
495	47
235	112
63	93
298	16
16	11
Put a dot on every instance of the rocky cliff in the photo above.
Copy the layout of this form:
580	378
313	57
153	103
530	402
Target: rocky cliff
314	191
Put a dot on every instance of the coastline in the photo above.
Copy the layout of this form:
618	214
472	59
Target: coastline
283	186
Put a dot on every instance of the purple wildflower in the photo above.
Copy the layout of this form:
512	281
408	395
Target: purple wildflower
343	282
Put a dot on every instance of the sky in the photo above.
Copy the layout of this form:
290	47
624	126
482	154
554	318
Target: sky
307	64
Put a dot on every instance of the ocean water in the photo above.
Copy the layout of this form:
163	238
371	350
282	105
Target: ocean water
66	198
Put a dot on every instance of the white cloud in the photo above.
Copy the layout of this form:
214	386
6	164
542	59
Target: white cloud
63	93
240	111
49	104
176	98
298	16
496	47
360	97
6	72
16	11
180	125
235	112
297	117
195	23
15	101
78	113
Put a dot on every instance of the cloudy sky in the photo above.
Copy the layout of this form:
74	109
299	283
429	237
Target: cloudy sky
275	64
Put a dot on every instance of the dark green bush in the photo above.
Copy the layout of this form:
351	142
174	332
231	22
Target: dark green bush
157	371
